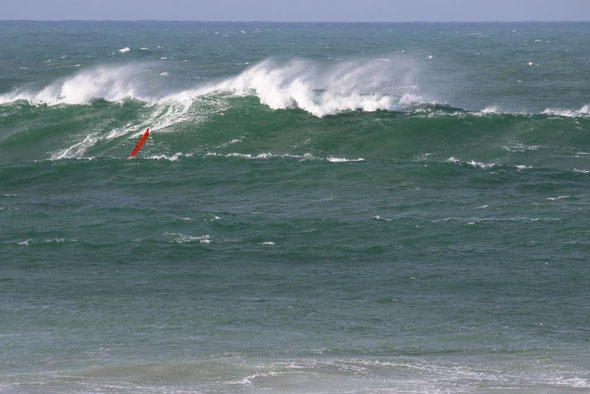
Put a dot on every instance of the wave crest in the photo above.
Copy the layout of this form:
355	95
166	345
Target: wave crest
582	112
319	88
108	83
326	89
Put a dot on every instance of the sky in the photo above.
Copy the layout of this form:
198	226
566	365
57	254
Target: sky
299	10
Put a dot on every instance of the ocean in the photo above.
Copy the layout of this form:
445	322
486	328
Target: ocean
335	208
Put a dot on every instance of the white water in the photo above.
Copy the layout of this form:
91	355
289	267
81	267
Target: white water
316	87
108	83
325	89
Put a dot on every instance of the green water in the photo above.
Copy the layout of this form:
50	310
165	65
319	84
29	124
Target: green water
319	208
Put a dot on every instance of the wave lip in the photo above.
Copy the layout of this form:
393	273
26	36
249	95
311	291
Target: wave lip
108	83
326	89
320	88
568	113
316	87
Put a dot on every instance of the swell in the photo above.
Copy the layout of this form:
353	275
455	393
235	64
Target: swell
342	111
319	88
225	126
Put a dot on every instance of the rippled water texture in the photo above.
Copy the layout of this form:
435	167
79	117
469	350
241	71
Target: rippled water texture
319	208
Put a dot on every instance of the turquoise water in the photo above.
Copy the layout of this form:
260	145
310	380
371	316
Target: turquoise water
319	208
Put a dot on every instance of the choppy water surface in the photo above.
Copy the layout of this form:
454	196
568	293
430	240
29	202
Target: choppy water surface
319	208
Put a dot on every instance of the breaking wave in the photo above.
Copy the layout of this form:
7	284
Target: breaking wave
110	83
582	112
318	88
387	116
322	89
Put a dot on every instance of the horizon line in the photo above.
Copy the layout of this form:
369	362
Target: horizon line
294	21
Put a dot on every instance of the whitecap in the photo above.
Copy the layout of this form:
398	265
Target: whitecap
316	87
54	240
173	157
480	164
569	113
557	198
182	238
491	110
322	89
472	163
343	159
377	217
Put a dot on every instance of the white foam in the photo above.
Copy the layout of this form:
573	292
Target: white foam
323	89
518	147
124	50
108	83
182	238
173	157
162	116
260	156
269	155
78	149
269	243
472	163
343	159
582	112
318	88
27	242
54	240
557	198
480	164
231	142
377	217
491	110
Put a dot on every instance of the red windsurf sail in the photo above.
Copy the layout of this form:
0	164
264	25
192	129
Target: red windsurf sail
140	143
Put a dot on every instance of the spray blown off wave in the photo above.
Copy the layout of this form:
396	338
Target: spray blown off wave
322	89
316	87
107	83
203	118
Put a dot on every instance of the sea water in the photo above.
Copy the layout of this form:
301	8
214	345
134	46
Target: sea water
319	207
